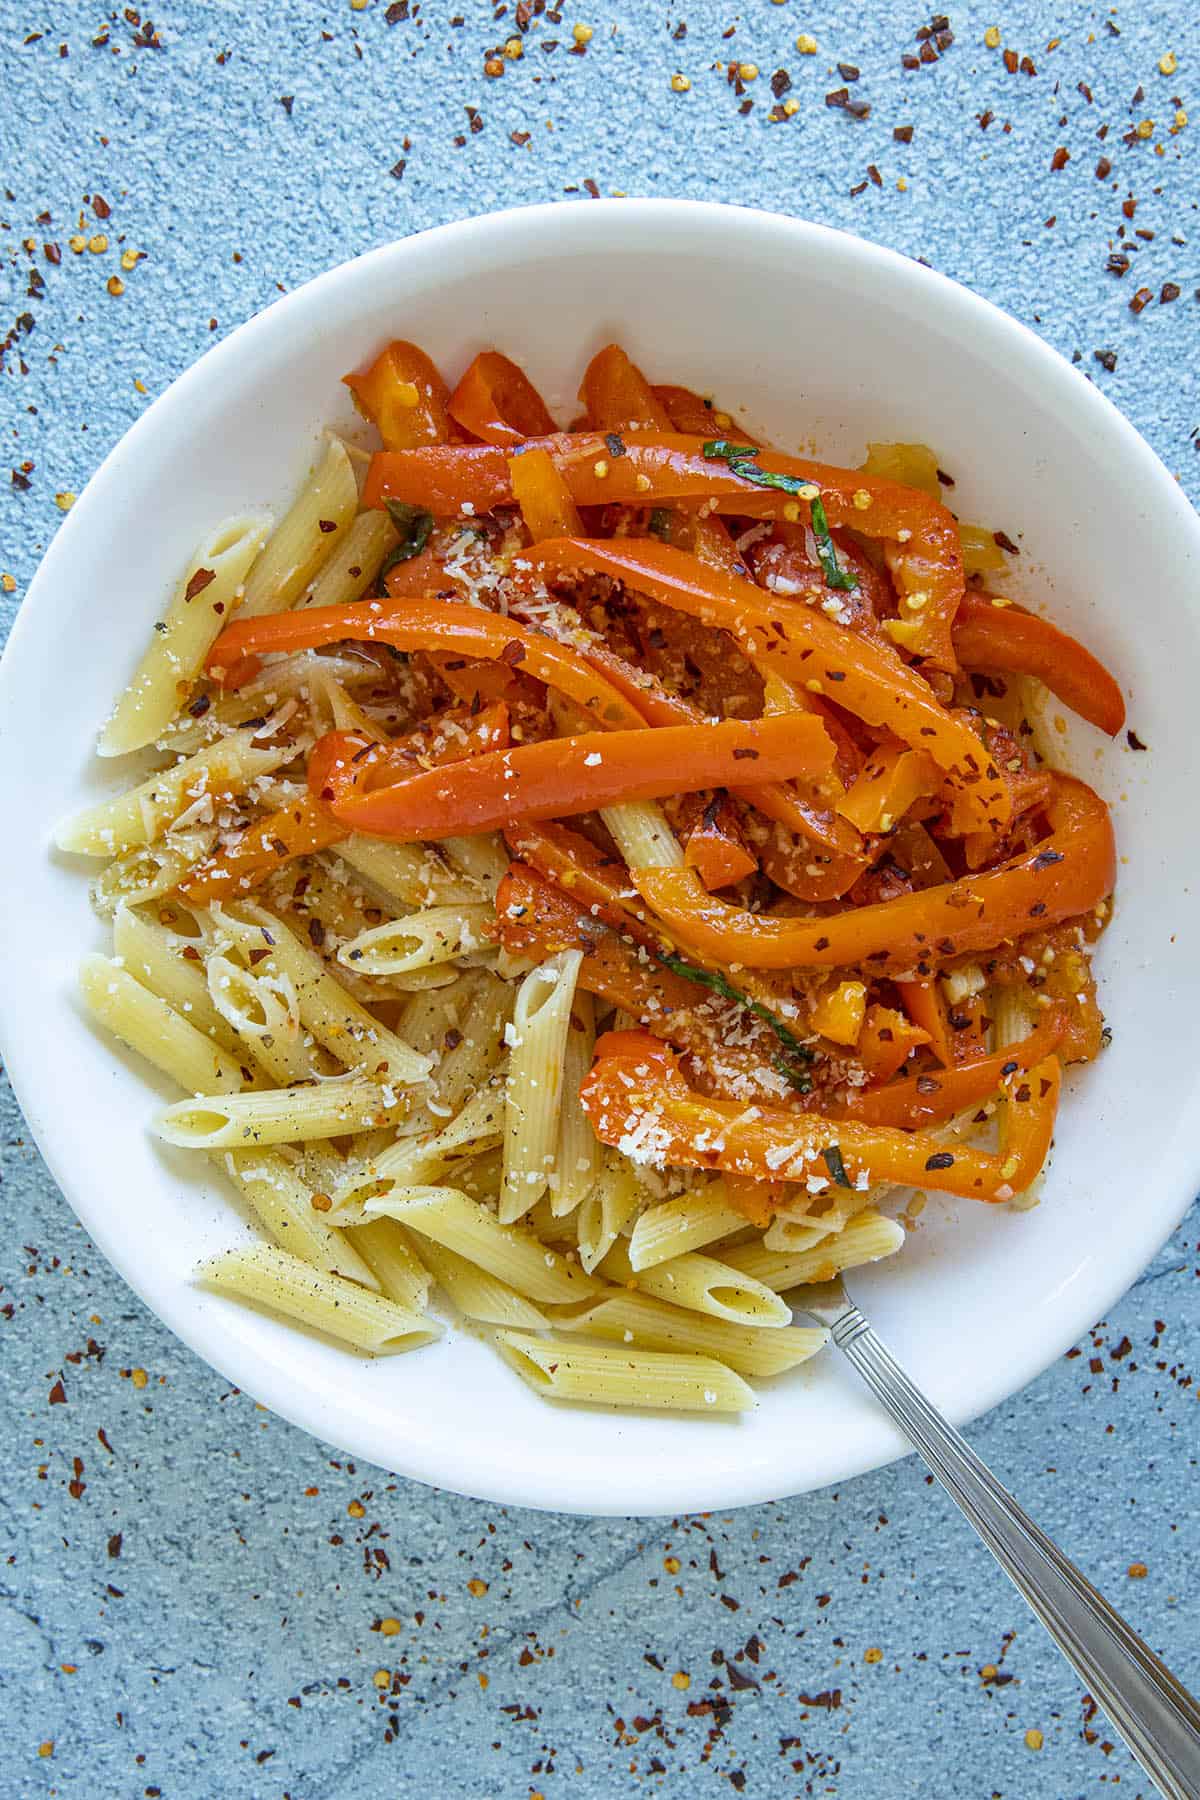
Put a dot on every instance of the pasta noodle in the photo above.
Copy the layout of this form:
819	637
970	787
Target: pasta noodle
579	885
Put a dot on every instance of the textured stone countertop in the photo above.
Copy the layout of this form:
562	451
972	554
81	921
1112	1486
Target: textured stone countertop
201	1601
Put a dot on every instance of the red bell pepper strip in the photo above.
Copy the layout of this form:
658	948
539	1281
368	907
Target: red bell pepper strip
616	395
991	635
496	402
920	1101
634	1079
404	396
425	625
307	825
923	546
1069	873
866	678
716	846
561	776
599	885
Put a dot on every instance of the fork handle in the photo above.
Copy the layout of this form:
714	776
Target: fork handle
1157	1717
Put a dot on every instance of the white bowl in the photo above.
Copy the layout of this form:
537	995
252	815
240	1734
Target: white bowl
819	339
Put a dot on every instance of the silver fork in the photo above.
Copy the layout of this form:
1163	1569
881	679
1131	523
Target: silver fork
1156	1716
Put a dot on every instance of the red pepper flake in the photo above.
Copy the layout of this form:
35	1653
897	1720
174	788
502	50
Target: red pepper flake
1103	169
1005	542
903	134
1010	61
1129	207
200	580
1134	741
1141	300
114	1545
397	169
873	172
1117	264
909	62
848	71
1106	358
520	138
985	119
1060	159
58	1394
287	101
1169	292
928	52
942	1159
1027	66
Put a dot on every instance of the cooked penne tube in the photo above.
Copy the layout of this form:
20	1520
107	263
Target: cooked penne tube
306	536
351	567
704	1285
829	1215
642	835
483	859
533	1090
418	1160
865	1239
283	1204
182	638
148	871
411	874
387	1250
143	813
614	1199
577	1153
312	1297
154	955
509	1252
687	1222
624	1318
436	935
261	1009
605	1376
476	1292
155	1030
325	1109
333	1016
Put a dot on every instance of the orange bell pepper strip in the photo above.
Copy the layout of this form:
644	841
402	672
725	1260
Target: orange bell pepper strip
616	395
920	1101
926	564
868	679
425	625
716	847
891	779
1069	873
839	1011
403	396
633	1077
562	776
886	1042
307	825
922	1001
496	402
990	634
418	577
689	412
543	496
598	885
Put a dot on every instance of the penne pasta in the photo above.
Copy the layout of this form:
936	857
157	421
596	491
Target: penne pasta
614	1199
577	1154
686	1222
306	536
351	567
312	1297
419	1160
533	1090
406	874
621	1317
643	836
602	1375
155	956
181	639
865	1239
702	1284
262	1012
509	1252
388	1252
148	871
193	787
476	1292
155	1030
423	939
282	1202
322	1109
482	859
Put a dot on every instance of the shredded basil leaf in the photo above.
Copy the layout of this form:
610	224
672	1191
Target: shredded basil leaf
659	523
740	458
709	978
835	1165
802	1083
835	575
414	525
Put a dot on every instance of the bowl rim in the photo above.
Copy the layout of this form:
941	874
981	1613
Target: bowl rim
442	1462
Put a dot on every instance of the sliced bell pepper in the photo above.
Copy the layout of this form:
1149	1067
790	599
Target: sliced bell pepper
716	846
920	1101
403	396
665	467
496	402
891	779
838	1012
543	496
866	678
425	625
690	412
598	884
616	395
922	1001
993	634
562	776
635	1082
886	1042
1067	874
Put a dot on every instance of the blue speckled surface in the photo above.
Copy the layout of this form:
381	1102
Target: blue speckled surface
192	1595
